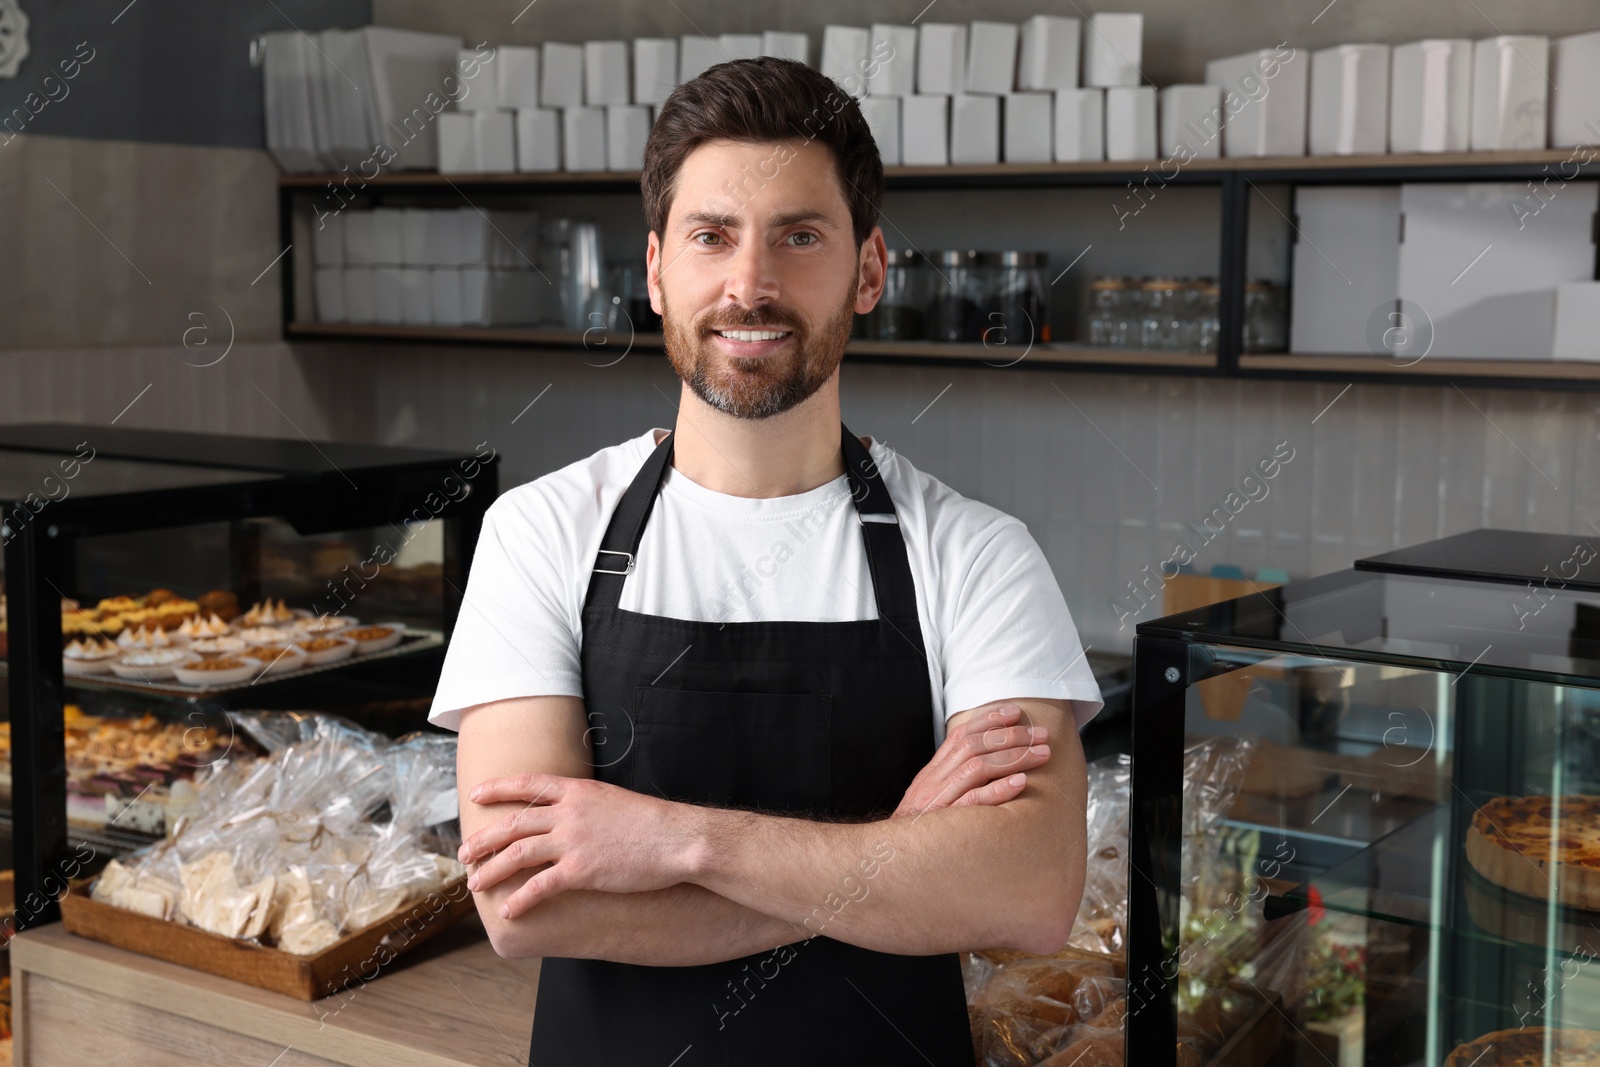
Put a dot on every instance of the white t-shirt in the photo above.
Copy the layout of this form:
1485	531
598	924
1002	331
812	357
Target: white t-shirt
994	623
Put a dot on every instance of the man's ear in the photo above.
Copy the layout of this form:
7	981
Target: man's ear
652	270
871	265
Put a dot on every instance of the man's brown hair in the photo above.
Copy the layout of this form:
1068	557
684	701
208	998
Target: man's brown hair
761	101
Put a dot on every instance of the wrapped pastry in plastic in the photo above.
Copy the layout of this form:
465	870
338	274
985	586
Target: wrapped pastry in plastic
1026	1007
1103	909
333	830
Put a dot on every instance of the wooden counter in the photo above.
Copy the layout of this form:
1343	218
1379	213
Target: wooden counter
450	1003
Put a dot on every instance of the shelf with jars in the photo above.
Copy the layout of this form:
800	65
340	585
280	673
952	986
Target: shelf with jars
961	303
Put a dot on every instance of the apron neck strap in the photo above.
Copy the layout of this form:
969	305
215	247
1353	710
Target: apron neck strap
880	531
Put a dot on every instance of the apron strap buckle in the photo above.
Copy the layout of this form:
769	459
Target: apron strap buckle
614	552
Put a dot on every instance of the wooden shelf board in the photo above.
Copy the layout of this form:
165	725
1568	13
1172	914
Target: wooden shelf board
1054	353
1538	370
630	179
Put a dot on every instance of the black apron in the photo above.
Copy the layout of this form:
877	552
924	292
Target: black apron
825	720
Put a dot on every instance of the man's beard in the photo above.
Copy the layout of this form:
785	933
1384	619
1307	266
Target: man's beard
759	387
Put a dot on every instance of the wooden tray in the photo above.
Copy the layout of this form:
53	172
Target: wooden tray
353	959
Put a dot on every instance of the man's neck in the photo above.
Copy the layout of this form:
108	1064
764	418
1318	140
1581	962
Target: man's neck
782	455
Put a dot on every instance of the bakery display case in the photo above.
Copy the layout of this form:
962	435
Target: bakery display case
1410	858
157	583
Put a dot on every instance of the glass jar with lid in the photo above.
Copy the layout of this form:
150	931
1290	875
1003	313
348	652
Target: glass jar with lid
1103	319
899	313
1019	308
1158	326
1206	322
955	304
1265	318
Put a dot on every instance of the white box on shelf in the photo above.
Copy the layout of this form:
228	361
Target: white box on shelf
974	128
655	69
1131	122
414	236
1430	96
892	61
539	139
475	296
627	129
1510	91
1350	100
1264	94
942	58
738	46
844	57
795	46
1049	59
387	224
415	304
1485	276
1577	321
444	295
1113	45
696	54
1346	270
358	248
496	139
883	119
991	57
561	75
478	79
1080	125
444	239
387	296
605	73
583	138
1575	100
1191	122
327	240
516	72
328	283
358	294
924	130
458	142
1027	123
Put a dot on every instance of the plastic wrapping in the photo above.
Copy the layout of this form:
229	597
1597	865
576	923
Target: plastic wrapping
334	829
1027	1006
1103	910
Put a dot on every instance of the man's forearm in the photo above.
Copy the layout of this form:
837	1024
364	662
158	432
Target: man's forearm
681	926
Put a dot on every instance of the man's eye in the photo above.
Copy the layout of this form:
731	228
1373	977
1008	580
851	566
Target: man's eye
714	237
810	238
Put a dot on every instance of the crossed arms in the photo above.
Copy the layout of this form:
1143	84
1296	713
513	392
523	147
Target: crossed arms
564	865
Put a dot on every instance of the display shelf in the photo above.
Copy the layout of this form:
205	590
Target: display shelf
1397	878
1234	177
414	641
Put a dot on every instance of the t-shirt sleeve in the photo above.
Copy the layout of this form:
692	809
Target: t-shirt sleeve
516	635
1009	633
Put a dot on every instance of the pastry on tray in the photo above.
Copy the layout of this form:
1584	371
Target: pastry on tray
145	637
275	659
1513	843
150	664
270	613
218	646
92	655
324	624
1525	1047
320	650
375	638
219	602
196	627
222	670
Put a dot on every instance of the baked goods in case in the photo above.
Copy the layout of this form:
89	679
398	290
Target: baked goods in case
219	602
92	655
1525	1047
222	670
375	638
320	650
1540	846
151	664
268	613
274	659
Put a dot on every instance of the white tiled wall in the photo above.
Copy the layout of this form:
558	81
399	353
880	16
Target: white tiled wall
1069	454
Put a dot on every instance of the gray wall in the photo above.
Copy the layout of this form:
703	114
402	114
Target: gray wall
1106	471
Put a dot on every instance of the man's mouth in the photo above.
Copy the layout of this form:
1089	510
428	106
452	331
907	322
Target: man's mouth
752	335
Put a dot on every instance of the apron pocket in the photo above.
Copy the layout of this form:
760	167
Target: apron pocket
767	752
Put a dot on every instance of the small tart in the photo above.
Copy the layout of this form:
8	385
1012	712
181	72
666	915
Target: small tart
224	670
142	665
93	655
144	637
218	646
320	650
375	638
325	624
262	635
276	659
269	613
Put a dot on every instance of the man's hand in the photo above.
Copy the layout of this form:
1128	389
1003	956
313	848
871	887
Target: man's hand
587	834
982	761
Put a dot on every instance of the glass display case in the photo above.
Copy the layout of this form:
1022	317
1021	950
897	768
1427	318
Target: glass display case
1408	853
155	581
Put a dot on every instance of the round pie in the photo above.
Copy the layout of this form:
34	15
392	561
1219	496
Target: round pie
1544	847
1524	1047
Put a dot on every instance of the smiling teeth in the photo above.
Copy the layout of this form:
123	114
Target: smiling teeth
753	335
